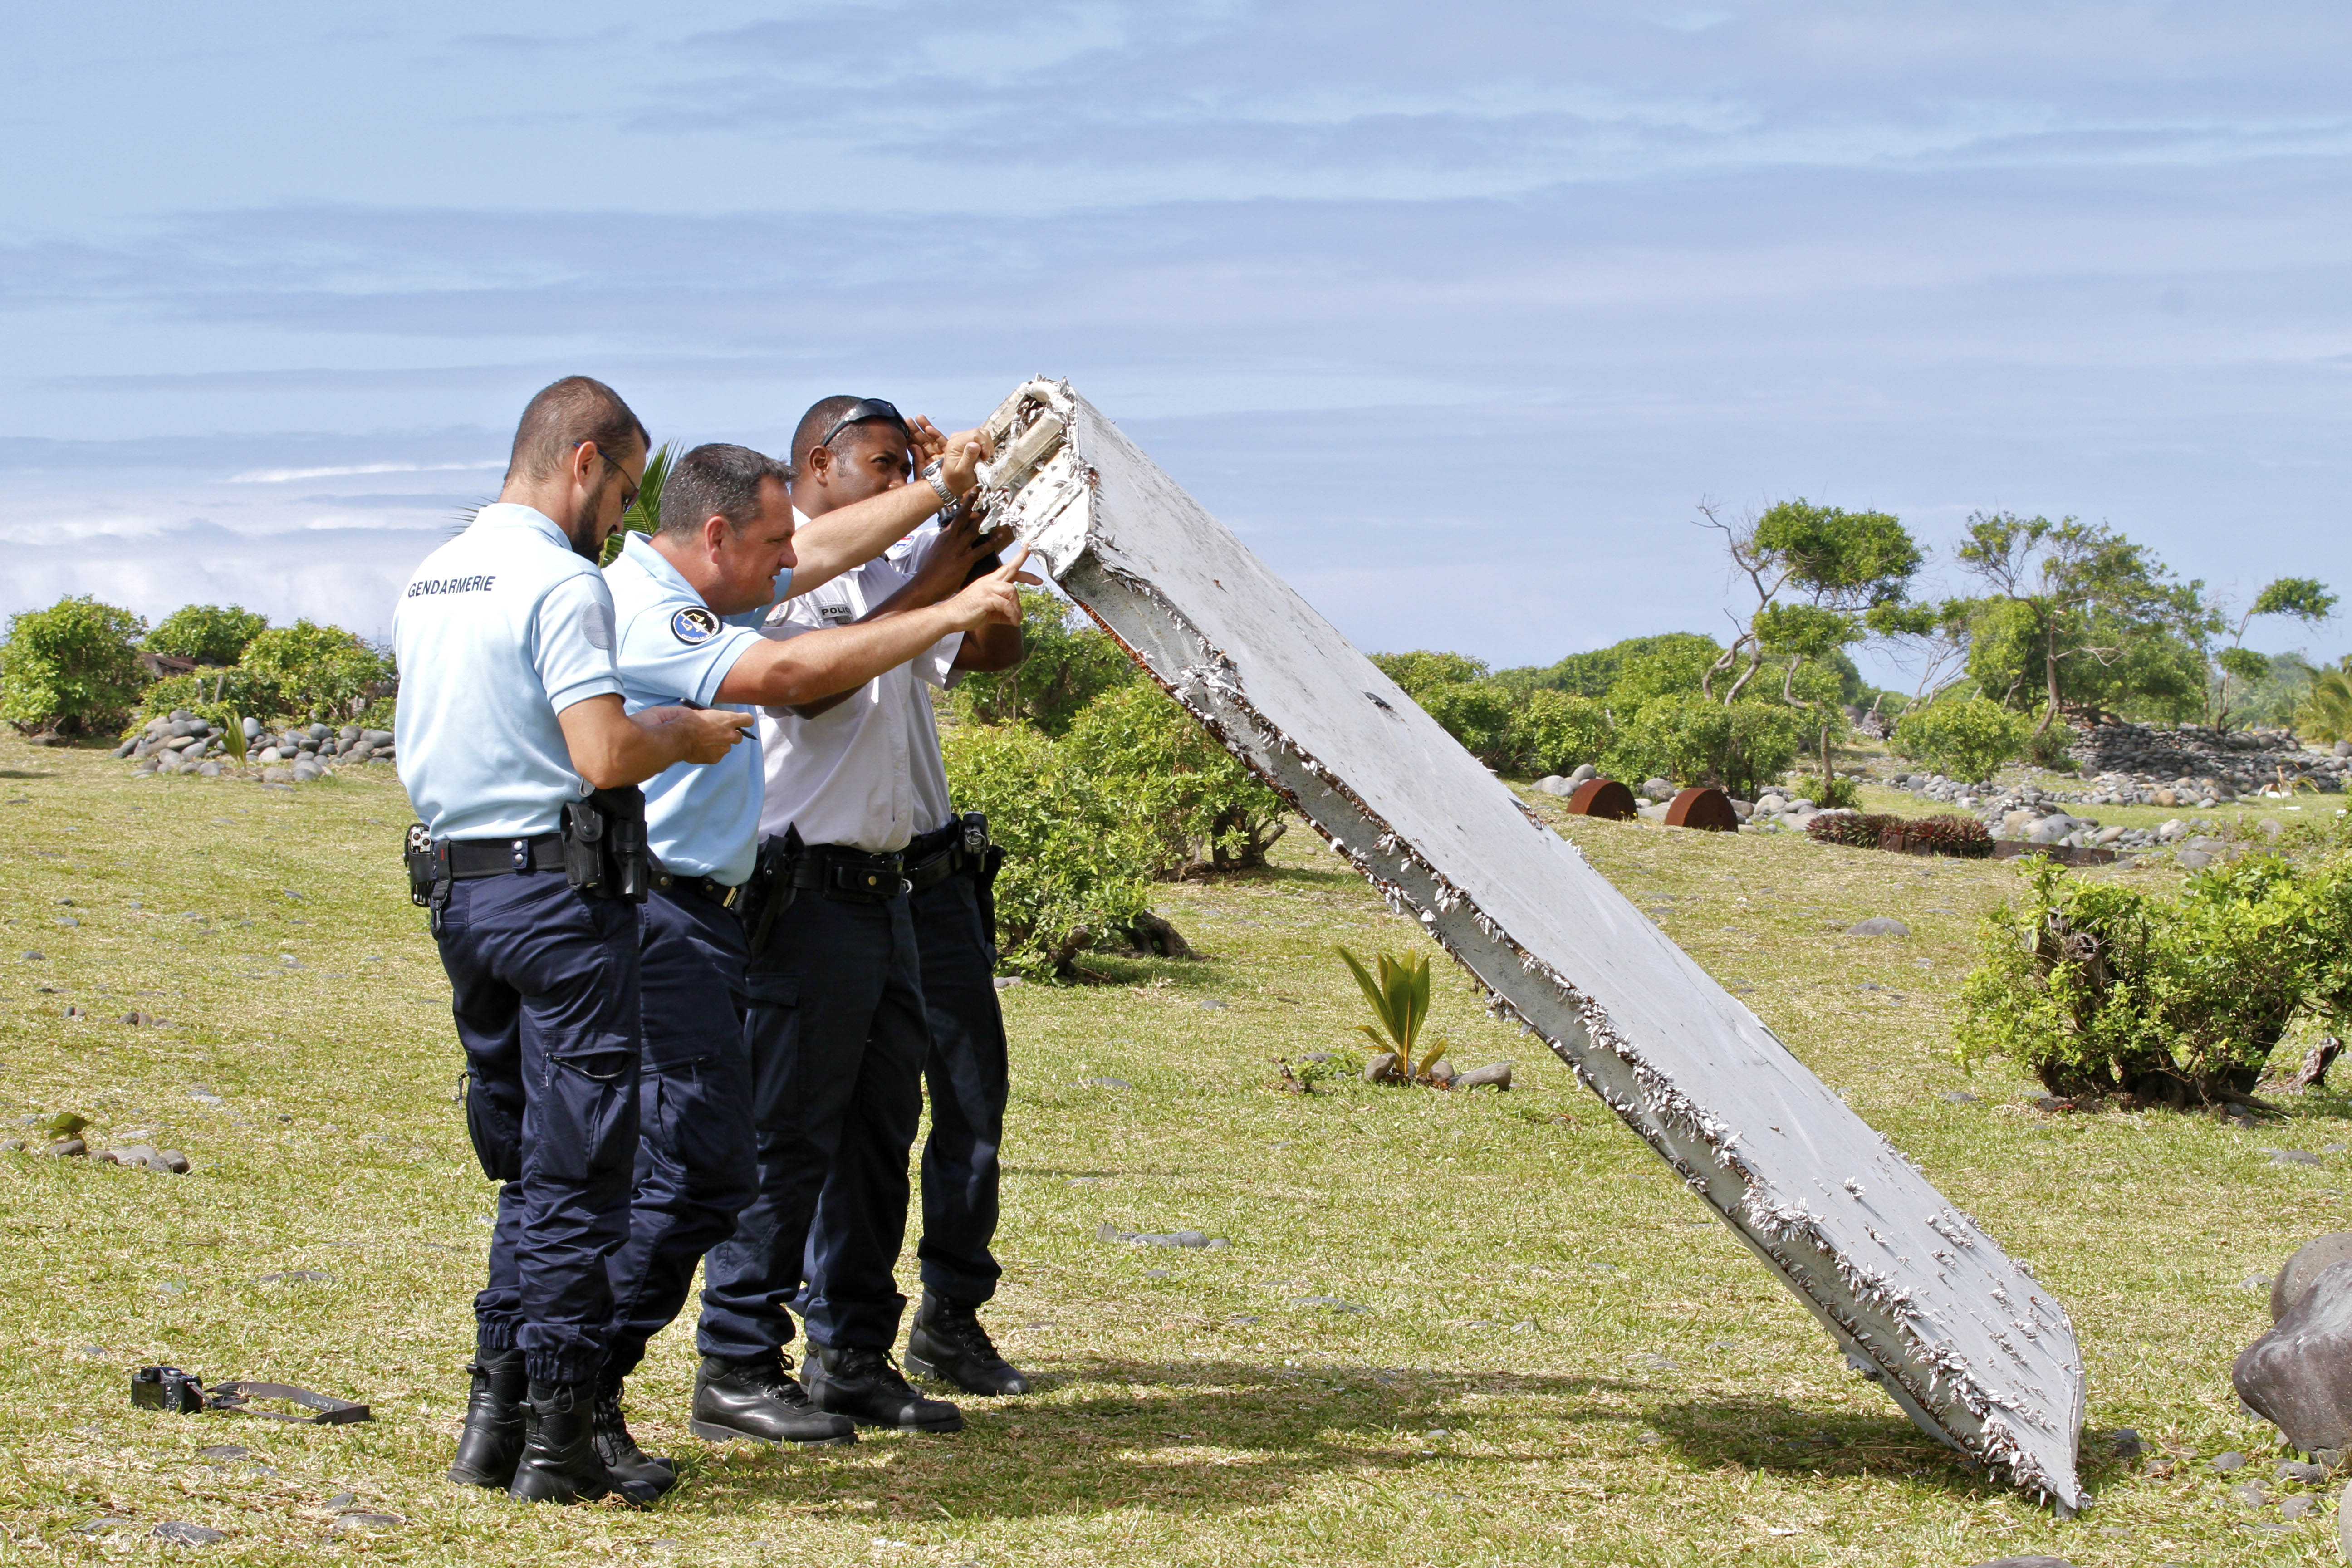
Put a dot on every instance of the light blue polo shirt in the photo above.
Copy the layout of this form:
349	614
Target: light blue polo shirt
498	631
702	821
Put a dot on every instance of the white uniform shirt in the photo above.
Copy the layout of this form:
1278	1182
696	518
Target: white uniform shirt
700	821
866	772
498	631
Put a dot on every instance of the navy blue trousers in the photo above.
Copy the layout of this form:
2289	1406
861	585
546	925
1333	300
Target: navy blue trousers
695	1160
545	997
837	1037
966	1074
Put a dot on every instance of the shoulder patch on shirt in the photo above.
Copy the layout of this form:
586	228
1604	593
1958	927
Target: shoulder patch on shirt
596	626
694	624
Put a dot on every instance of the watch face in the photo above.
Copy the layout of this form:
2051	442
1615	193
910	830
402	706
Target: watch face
694	624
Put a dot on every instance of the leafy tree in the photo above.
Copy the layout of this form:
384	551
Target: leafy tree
70	667
324	672
1817	571
1070	661
1203	808
1693	739
209	634
1965	738
1671	666
2304	599
2079	600
1595	674
2325	713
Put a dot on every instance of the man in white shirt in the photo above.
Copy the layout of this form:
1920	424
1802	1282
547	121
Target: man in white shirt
837	1024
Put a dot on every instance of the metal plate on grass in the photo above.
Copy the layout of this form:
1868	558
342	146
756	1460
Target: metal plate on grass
1965	1340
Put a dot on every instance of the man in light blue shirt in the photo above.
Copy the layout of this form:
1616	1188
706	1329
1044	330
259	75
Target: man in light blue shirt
681	596
510	721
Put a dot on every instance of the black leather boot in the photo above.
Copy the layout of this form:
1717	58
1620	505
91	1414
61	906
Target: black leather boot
623	1460
948	1343
559	1461
758	1401
491	1440
864	1386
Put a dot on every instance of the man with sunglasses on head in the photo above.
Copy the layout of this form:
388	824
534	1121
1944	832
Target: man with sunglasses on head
838	1024
522	760
687	598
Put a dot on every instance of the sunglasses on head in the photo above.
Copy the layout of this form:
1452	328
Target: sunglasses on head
867	408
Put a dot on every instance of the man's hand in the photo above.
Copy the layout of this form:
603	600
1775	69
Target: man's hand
947	565
993	600
960	464
611	747
925	440
701	735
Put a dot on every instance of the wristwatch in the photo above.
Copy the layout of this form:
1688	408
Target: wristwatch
931	471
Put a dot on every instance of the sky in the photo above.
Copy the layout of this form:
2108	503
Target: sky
1456	314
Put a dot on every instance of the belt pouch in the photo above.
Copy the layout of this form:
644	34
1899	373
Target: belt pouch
418	854
628	862
583	846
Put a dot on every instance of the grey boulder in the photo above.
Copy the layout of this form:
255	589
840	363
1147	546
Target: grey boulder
2298	1376
1498	1074
2026	1563
1878	925
2310	1260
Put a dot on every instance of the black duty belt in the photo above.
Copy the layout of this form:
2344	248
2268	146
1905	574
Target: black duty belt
841	871
470	857
726	895
961	846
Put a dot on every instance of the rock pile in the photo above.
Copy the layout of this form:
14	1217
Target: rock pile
2222	763
185	743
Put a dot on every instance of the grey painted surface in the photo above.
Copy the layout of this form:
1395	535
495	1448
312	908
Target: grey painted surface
1962	1337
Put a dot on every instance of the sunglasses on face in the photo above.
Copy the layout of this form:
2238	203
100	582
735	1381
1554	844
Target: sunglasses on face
629	486
867	408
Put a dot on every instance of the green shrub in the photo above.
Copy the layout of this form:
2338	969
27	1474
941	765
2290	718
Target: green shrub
1077	864
217	695
321	673
2097	987
1474	712
1070	661
1202	806
1555	732
1835	793
1692	740
1964	738
209	634
2048	748
70	667
1424	670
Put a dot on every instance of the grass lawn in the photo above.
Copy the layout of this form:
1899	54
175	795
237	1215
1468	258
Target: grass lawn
1543	1349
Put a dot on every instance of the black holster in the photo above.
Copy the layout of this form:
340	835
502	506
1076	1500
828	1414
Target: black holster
604	849
769	891
984	859
429	877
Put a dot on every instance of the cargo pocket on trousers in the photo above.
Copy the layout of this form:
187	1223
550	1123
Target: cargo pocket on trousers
495	1132
587	1115
768	988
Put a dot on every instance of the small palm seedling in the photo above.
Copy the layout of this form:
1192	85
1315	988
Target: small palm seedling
1400	1000
233	737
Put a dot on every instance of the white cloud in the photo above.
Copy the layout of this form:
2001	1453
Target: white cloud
279	475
